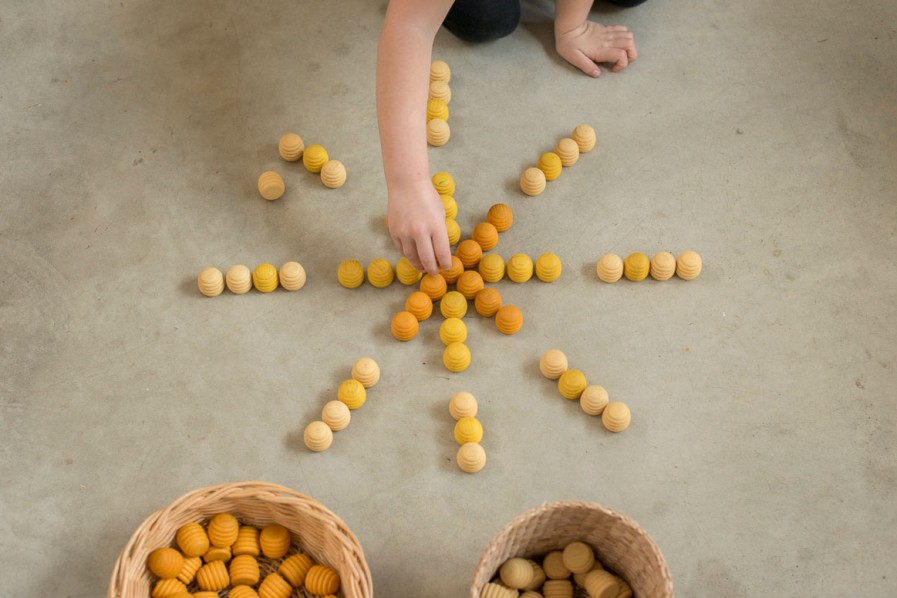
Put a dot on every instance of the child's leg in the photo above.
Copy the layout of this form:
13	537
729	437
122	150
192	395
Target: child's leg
483	20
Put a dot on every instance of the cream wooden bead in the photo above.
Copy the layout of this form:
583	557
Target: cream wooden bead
580	578
292	276
333	174
210	282
610	268
318	437
290	147
578	557
663	265
516	573
471	457
585	138
554	567
463	404
532	181
438	132
270	185
366	371
593	400
616	416
239	279
568	151
440	90
440	71
552	364
336	415
688	265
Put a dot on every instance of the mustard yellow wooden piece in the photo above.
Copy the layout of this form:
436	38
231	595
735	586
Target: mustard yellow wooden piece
314	158
492	267
213	576
380	273
550	164
520	268
247	541
244	570
322	580
437	109
571	384
449	205
636	266
444	183
165	588
264	278
406	273
352	392
275	586
453	330
294	569
456	357
216	553
453	305
468	429
350	274
548	267
453	231
188	572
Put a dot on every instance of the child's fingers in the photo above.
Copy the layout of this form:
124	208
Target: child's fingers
585	64
443	251
625	41
619	57
409	250
426	255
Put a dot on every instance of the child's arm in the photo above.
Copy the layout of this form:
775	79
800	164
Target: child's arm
415	211
584	43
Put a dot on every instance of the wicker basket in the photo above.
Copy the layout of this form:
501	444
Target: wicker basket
623	547
316	531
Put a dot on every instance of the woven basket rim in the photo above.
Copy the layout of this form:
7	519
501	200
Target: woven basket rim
120	570
502	536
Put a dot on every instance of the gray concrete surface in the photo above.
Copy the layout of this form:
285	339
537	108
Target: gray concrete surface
763	134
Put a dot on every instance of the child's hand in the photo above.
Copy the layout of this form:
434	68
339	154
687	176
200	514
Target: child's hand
417	226
590	43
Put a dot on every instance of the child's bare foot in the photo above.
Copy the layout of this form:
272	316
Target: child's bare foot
589	44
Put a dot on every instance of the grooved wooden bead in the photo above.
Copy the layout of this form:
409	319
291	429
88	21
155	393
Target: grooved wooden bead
352	392
213	576
538	577
585	138
453	305
216	553
500	216
453	330
264	278
380	273
463	404
568	151
437	109
275	540
552	364
238	279
290	147
271	185
223	530
366	371
610	268
166	563
494	590
550	164
601	584
579	557
456	357
336	415
247	541
580	578
492	267
295	568
165	588
404	326
558	588
440	71
548	267
469	252
571	384
469	284
516	573
509	319
322	580
210	282
275	586
440	90
438	131
471	457
553	565
616	416
663	265
486	235
593	400
625	591
452	275
419	305
636	266
444	183
453	231
520	268
207	594
449	205
433	285
244	570
487	302
317	437
532	181
238	592
406	273
192	540
468	429
350	274
688	265
292	276
531	594
333	174
314	158
188	571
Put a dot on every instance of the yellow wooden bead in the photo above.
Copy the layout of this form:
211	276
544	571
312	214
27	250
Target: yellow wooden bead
509	319
295	568
350	274
469	252
192	540
314	158
548	267
571	384
453	230
404	326
244	570
492	267
601	584
469	284
550	164
166	588
352	392
275	586
223	530
456	357
520	268
437	109
486	235
419	305
554	567
380	273
406	273
500	216
247	541
444	183
449	205
516	573
434	286
468	429
265	278
584	136
688	265
322	580
216	553
636	266
213	576
453	330
237	592
579	557
188	572
271	185
453	305
290	147
166	563
275	540
452	274
487	302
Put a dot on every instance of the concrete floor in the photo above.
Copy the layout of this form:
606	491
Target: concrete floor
761	456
